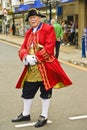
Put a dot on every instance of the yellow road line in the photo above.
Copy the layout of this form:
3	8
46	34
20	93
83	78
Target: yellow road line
62	61
73	65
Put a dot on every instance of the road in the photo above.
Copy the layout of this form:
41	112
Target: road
66	102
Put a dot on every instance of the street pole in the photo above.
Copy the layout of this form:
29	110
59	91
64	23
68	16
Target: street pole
6	23
49	3
5	13
57	5
83	47
50	16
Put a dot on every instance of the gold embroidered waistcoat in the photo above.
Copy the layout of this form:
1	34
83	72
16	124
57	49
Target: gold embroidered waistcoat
33	74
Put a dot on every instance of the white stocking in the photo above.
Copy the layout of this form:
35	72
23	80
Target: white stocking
27	106
45	107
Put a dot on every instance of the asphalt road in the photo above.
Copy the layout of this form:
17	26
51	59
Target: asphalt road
65	103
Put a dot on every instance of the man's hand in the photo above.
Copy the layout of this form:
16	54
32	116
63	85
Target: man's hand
31	60
58	39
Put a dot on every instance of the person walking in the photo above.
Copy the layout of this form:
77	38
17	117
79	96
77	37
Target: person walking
65	33
72	32
41	69
59	35
13	29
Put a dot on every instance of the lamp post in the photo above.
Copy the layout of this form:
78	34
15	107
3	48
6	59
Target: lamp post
50	17
50	3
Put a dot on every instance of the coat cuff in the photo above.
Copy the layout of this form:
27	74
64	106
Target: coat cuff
43	56
22	53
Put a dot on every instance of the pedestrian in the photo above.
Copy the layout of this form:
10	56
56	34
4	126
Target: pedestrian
65	33
59	35
72	32
42	70
13	29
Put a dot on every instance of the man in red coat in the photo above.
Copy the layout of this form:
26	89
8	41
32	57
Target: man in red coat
42	70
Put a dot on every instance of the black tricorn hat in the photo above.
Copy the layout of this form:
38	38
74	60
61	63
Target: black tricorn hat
33	12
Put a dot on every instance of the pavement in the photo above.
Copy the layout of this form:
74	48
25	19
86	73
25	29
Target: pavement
69	54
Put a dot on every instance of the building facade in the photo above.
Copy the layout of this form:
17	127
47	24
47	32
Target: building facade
15	11
76	10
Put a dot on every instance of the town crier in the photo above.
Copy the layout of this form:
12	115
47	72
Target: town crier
41	69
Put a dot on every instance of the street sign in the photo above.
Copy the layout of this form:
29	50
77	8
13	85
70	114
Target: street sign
4	11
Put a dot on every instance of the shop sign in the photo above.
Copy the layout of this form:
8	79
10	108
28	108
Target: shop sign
59	10
63	1
25	7
18	16
15	3
29	1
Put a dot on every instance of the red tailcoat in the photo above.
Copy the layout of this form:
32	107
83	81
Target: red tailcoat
51	71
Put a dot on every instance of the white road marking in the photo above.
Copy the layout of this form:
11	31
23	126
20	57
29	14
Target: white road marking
29	124
78	117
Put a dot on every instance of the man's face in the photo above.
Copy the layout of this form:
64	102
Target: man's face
34	21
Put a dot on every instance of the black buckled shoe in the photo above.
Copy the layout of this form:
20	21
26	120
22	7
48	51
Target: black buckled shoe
41	121
21	118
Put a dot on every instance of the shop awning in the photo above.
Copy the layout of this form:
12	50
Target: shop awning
38	4
25	7
63	1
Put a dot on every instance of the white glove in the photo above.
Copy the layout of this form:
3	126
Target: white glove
31	59
25	61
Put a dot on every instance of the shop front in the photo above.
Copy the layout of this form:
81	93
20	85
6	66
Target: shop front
70	10
20	14
18	21
76	10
